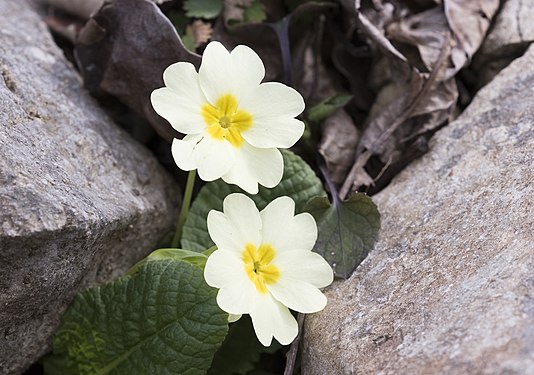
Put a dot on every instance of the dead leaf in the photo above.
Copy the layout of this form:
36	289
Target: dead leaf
201	32
378	37
469	21
434	44
384	134
426	31
345	57
123	50
311	78
338	144
234	10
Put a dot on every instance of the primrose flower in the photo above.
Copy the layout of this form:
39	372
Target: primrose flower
264	265
234	124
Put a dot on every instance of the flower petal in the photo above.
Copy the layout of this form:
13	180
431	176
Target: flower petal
286	327
231	236
243	215
224	268
214	71
238	224
182	78
279	132
270	318
253	165
273	99
237	298
182	152
213	158
284	231
297	295
305	266
222	72
248	70
234	317
180	102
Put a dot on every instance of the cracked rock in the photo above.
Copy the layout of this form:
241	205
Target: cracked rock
80	200
449	286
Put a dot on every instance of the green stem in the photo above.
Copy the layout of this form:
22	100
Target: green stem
209	251
186	202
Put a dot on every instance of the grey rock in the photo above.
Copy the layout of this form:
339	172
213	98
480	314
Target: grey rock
513	27
509	37
80	200
449	288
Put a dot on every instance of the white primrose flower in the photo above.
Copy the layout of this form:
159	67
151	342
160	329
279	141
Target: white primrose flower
264	265
234	124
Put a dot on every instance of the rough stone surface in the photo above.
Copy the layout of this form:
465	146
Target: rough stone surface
80	201
509	37
449	288
513	26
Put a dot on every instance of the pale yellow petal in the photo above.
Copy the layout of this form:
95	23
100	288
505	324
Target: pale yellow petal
298	295
285	231
255	166
305	266
280	132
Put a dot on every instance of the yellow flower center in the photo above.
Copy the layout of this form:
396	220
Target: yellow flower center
225	121
258	265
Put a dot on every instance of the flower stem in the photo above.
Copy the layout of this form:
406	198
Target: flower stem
281	28
186	202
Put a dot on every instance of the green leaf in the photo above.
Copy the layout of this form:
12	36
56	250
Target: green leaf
240	351
188	41
320	111
347	231
162	320
254	13
299	182
203	8
194	258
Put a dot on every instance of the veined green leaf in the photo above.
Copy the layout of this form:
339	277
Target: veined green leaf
162	320
347	231
195	258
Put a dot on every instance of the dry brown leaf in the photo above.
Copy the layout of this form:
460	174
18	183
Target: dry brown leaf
123	50
345	59
391	103
378	37
338	144
384	133
469	21
201	32
234	10
426	31
411	103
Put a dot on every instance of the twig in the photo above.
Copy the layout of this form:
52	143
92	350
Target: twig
328	179
293	350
